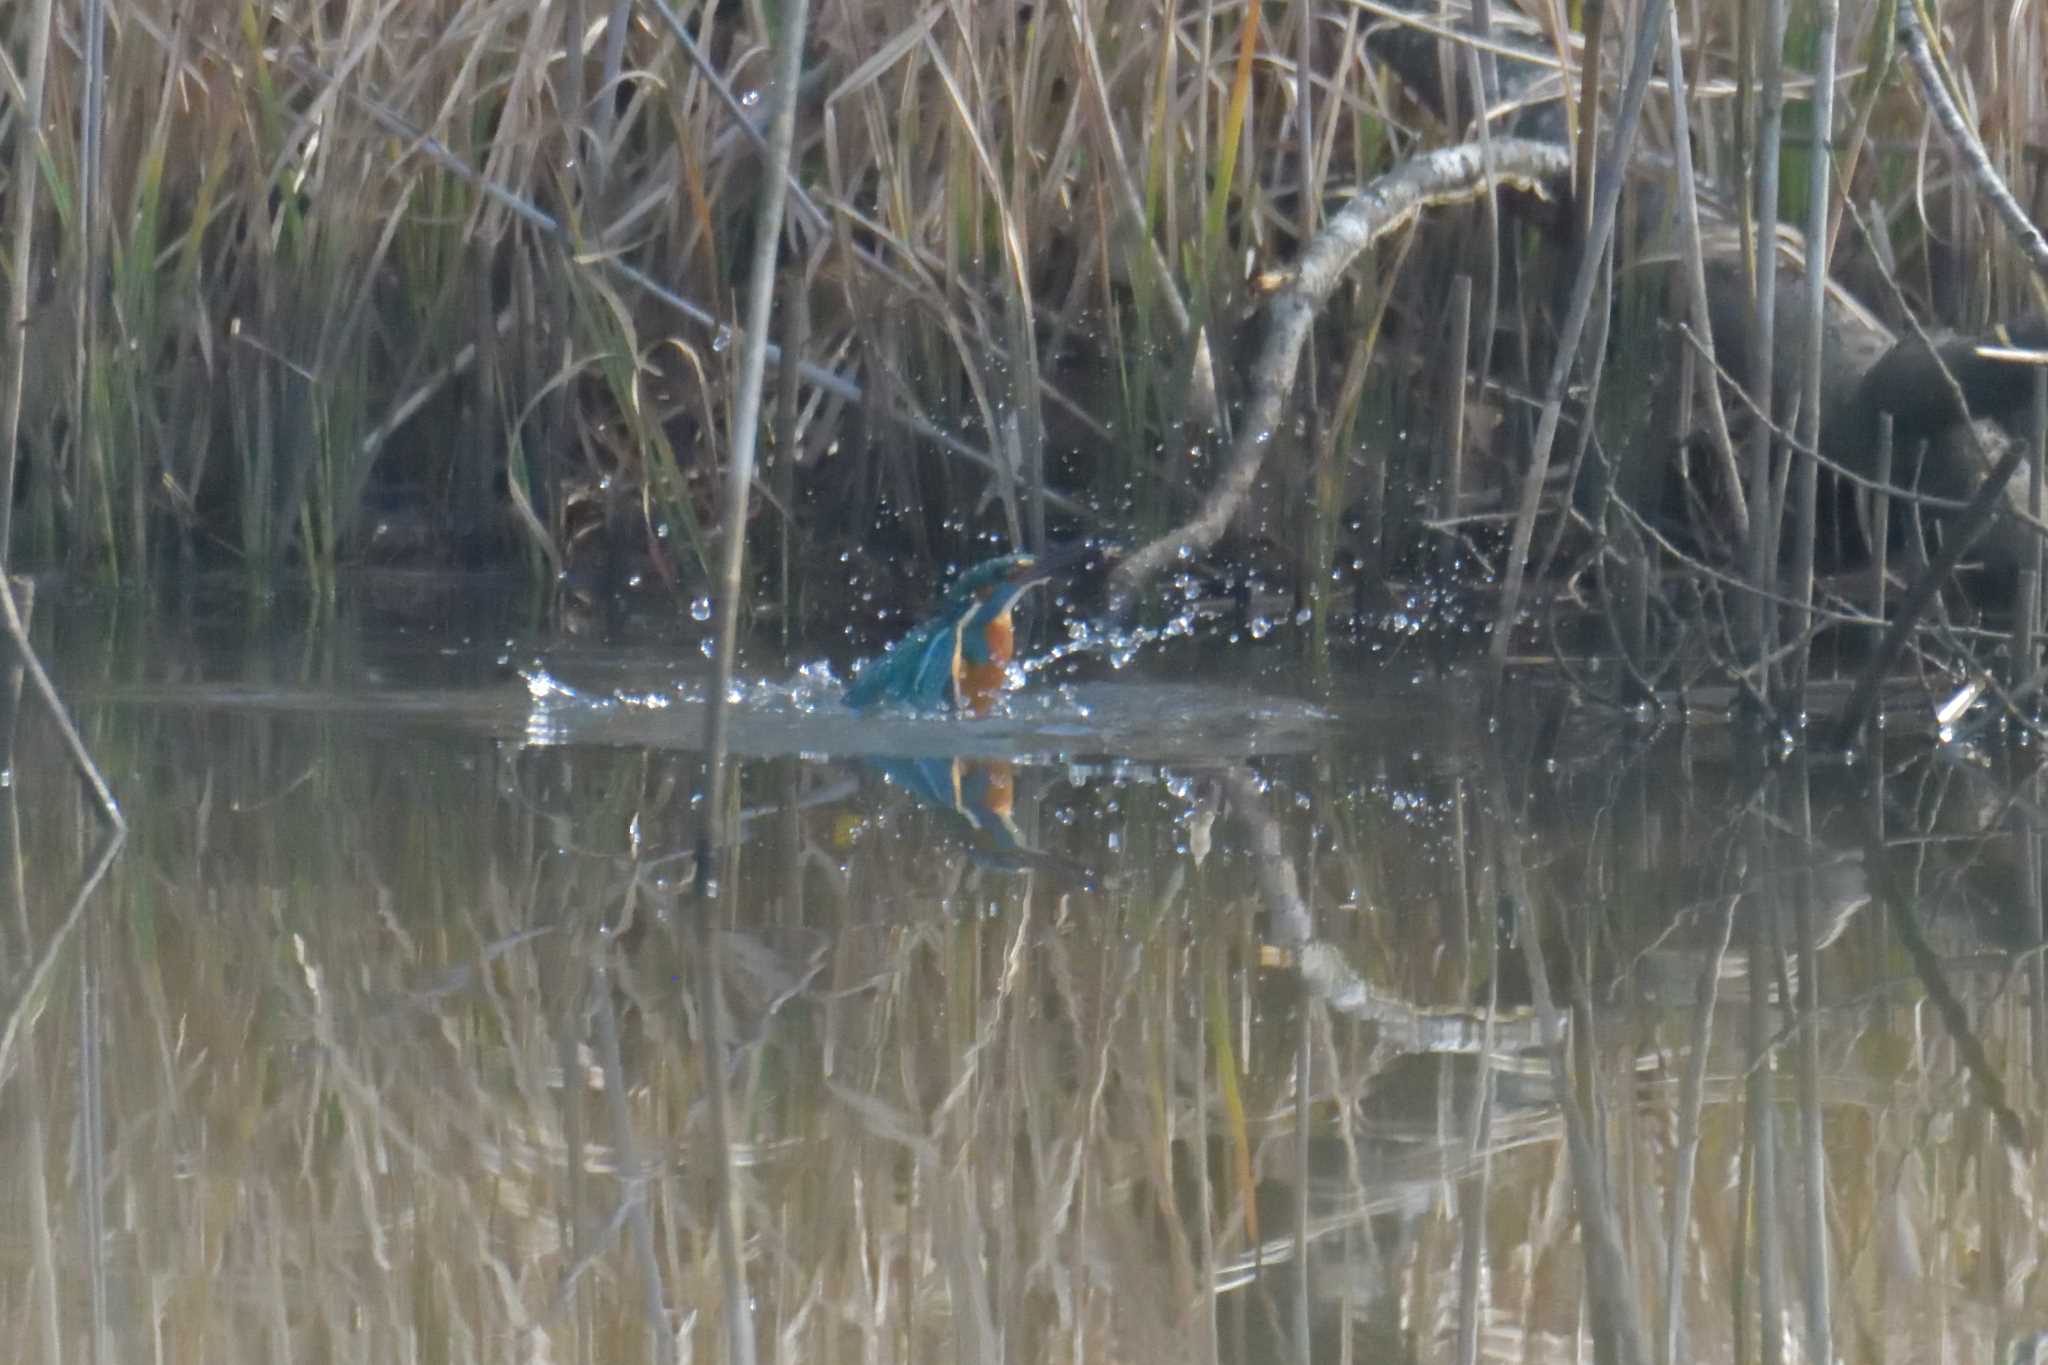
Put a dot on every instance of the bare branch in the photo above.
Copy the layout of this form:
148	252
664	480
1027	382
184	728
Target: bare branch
1450	175
1920	56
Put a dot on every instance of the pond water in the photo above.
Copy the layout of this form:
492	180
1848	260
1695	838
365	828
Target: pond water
1173	1013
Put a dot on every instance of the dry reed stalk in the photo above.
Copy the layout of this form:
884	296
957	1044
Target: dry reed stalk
1592	251
21	254
1672	1348
1450	463
1806	522
1767	509
1693	260
729	604
1117	174
2037	504
1881	522
44	1272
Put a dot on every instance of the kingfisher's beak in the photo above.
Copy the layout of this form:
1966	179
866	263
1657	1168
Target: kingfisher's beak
1062	561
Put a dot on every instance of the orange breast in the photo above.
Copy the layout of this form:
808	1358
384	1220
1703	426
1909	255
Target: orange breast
1002	640
979	683
997	793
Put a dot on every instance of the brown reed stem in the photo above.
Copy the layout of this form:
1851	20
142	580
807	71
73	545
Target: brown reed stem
21	247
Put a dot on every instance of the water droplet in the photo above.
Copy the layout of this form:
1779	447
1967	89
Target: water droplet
722	340
750	99
700	609
1260	627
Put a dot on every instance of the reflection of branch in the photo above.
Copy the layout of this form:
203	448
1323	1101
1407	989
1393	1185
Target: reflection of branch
1450	175
1969	1047
1404	1026
110	810
1278	883
36	987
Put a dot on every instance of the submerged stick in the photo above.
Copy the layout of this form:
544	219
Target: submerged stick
1450	175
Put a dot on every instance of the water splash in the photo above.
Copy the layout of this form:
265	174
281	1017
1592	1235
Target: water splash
1121	646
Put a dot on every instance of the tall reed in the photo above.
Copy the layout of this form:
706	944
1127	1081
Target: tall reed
310	276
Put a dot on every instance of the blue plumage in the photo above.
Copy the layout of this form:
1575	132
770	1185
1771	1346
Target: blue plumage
923	669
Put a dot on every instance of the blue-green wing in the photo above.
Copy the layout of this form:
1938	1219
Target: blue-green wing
917	671
934	781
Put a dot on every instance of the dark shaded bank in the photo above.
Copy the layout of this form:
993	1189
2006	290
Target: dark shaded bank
1936	389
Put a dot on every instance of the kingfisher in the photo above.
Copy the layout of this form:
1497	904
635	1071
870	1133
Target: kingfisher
959	658
979	796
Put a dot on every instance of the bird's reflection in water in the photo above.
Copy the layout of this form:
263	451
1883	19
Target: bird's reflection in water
979	794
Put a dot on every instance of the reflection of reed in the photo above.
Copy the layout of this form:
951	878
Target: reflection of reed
407	1041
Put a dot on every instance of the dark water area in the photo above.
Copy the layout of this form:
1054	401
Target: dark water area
1181	1011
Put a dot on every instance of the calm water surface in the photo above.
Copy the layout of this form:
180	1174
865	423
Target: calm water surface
1175	1014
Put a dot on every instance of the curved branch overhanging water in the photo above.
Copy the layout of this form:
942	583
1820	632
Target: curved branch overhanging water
1449	175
